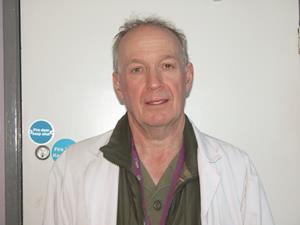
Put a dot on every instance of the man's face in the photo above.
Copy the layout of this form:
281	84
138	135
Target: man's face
152	81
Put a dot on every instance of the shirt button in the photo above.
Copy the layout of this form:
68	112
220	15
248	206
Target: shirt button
157	205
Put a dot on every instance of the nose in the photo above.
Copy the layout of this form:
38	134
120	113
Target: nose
154	79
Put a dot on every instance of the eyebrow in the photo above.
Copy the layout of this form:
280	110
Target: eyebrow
164	57
134	60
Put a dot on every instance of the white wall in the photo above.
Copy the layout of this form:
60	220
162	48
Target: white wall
246	89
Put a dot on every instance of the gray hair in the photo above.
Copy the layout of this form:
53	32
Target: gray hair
132	24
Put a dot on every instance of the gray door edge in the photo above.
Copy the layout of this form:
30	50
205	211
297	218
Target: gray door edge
12	112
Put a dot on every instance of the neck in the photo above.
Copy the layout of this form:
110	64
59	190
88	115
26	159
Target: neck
157	146
156	140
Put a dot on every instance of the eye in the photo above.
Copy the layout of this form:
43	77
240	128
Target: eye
137	69
168	66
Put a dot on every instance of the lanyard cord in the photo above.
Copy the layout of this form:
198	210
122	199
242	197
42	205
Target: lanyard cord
176	174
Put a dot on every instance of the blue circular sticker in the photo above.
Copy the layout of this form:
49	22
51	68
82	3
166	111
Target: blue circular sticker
60	146
41	132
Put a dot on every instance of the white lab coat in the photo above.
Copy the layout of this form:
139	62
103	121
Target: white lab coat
83	186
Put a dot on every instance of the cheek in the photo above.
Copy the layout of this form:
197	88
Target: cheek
178	89
132	93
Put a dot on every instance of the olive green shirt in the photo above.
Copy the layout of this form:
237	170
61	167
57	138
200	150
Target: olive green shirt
185	206
155	195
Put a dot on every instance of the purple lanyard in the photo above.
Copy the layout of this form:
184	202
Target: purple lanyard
176	174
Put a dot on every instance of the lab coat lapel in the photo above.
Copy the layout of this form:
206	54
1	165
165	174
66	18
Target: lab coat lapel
209	177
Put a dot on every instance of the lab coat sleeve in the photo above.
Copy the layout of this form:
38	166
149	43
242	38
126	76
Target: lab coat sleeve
255	207
55	212
64	202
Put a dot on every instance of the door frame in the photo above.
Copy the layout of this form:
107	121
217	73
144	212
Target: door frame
12	112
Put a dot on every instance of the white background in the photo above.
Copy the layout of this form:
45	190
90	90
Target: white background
246	89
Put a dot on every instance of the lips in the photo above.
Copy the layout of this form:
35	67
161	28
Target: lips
157	102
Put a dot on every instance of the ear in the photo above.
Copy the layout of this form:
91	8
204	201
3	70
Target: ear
117	87
189	77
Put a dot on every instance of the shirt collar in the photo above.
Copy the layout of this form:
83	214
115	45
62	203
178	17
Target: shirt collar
118	149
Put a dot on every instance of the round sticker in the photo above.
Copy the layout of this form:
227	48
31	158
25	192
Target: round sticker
41	132
60	146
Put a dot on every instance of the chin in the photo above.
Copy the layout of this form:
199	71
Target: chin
159	120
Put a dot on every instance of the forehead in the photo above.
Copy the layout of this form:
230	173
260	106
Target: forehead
148	39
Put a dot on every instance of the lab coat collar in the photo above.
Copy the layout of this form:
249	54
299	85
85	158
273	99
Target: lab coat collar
208	155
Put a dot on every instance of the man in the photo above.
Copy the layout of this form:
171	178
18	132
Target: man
155	167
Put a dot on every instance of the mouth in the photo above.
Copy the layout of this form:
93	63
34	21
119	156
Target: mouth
157	102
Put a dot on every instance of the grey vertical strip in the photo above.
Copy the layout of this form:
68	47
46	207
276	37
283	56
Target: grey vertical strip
12	113
2	177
